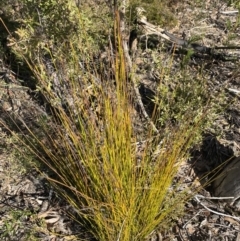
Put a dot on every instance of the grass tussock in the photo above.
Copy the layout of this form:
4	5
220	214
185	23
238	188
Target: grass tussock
89	144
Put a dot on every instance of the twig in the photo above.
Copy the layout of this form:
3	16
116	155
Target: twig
229	12
13	87
237	92
210	210
214	198
135	85
191	219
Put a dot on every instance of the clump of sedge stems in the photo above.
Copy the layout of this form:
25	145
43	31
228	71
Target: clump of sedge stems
92	157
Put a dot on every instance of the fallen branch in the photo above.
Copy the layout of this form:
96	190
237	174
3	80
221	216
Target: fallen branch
151	29
134	82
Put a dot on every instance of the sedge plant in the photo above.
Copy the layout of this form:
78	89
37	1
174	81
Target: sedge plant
89	146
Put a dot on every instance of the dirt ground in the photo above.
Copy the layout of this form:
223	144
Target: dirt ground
30	209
